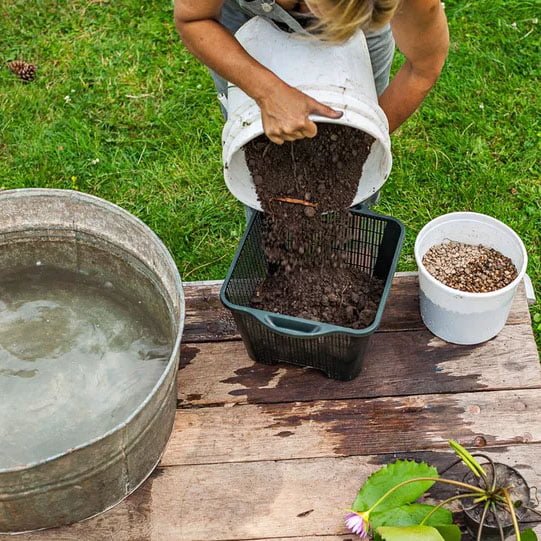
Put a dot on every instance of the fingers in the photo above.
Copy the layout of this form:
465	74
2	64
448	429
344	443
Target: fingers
307	131
310	130
320	109
280	137
276	139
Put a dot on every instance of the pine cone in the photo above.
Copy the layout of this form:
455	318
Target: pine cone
25	71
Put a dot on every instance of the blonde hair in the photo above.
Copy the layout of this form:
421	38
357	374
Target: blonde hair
338	20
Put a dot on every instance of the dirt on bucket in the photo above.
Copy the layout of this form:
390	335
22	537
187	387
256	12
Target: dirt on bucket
305	188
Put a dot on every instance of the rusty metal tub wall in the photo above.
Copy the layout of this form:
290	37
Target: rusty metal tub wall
60	226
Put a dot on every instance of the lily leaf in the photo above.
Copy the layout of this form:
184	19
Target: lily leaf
450	532
528	535
383	480
467	458
410	515
410	533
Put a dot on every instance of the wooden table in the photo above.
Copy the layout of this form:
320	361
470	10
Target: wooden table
278	452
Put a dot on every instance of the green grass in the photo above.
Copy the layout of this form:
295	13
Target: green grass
115	85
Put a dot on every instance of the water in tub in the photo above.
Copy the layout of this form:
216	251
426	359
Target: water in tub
76	359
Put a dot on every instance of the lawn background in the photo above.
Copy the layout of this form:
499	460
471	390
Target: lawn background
122	111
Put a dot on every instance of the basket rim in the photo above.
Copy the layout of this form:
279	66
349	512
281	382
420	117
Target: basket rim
326	328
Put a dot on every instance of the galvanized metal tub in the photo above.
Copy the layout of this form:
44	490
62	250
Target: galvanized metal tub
69	229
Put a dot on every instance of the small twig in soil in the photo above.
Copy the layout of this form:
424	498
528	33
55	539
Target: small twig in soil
266	149
294	201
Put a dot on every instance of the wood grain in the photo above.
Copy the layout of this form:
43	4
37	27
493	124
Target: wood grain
283	455
396	364
352	427
302	500
208	321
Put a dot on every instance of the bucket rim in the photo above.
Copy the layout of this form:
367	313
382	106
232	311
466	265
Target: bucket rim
467	294
248	125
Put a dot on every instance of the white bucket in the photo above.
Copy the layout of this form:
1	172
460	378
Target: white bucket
339	76
461	317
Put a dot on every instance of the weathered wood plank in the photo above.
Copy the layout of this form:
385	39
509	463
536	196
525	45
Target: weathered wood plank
302	500
207	320
352	427
398	363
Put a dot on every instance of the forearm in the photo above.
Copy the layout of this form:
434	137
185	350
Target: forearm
209	41
421	34
405	94
285	111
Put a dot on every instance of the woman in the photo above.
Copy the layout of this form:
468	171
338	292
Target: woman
419	28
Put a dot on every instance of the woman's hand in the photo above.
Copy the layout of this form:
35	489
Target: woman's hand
285	111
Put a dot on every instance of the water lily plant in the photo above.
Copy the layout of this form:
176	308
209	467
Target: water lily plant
386	507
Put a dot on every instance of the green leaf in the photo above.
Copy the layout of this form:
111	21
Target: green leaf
450	532
382	481
467	458
410	515
537	319
410	533
528	535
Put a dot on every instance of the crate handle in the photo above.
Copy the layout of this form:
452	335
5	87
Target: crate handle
292	326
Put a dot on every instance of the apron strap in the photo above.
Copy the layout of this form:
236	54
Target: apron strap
269	9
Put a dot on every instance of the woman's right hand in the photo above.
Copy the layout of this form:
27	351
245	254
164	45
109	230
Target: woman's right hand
285	111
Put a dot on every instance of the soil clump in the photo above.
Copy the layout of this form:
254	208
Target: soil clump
468	267
305	188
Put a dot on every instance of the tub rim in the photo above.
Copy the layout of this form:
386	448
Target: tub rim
173	357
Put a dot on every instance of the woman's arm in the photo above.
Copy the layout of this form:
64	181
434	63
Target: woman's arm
284	109
421	33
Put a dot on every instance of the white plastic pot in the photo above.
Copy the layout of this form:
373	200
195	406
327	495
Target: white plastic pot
461	317
339	76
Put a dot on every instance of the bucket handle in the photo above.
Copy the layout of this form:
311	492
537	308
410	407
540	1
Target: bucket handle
293	327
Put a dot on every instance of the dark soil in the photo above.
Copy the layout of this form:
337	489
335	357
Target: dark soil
305	236
468	267
518	490
324	170
347	296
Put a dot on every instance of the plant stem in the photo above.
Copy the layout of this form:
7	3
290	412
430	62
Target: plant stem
511	509
445	502
502	536
482	521
452	465
466	486
491	462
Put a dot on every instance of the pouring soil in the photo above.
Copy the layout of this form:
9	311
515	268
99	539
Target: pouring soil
305	188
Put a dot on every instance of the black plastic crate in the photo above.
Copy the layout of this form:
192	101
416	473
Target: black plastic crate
374	245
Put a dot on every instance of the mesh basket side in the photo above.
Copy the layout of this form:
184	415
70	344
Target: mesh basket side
251	268
338	355
371	241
